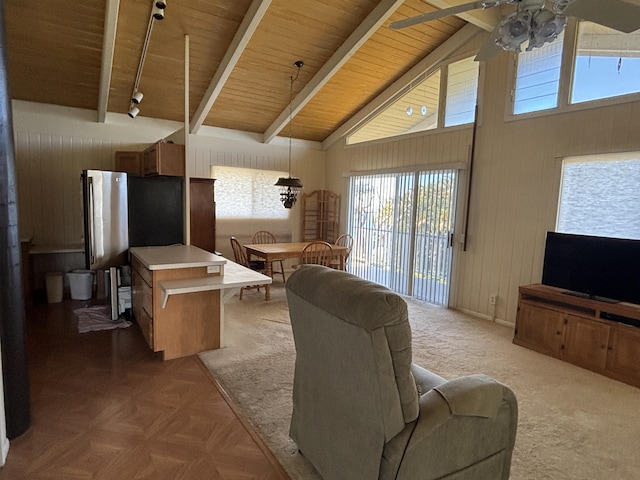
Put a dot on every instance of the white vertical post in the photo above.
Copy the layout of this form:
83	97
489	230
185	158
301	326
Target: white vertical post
187	153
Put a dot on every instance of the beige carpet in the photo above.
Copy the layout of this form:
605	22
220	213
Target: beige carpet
573	425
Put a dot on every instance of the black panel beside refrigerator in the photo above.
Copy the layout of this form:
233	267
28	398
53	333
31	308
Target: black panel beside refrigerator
156	212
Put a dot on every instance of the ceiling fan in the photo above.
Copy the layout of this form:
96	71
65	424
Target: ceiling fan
536	24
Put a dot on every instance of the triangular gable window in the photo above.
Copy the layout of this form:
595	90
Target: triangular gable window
415	110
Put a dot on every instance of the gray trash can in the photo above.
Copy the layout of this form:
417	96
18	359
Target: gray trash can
54	286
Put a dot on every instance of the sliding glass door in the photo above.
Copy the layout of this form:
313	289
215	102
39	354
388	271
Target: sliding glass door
402	224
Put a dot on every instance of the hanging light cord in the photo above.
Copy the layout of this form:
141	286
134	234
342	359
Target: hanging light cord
298	65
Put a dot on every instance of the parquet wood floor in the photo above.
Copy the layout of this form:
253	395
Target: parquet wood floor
105	407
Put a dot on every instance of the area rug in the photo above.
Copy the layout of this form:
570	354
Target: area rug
573	424
96	318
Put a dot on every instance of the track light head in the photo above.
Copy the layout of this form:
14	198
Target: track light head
158	13
161	4
137	97
133	111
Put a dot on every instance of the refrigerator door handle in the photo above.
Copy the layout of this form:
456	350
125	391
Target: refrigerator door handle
90	201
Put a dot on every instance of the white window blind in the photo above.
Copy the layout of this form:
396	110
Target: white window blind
538	78
462	92
401	225
599	196
247	193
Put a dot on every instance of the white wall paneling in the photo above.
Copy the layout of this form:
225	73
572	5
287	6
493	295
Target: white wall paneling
515	187
54	144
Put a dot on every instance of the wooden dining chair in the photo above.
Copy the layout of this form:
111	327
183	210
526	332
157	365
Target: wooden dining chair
318	252
344	240
263	236
241	259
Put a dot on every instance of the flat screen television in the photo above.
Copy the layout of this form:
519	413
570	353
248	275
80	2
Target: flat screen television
603	268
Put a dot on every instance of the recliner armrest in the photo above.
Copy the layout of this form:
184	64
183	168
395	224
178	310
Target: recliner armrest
468	424
473	395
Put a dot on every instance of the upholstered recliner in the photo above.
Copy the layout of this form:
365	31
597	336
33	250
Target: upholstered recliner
362	410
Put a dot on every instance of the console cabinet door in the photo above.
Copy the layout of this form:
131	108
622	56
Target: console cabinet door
540	329
622	360
586	343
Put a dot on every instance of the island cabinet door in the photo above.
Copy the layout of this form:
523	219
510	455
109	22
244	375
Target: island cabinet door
539	328
142	300
586	342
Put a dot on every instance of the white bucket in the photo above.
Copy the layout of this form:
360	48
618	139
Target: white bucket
81	284
53	283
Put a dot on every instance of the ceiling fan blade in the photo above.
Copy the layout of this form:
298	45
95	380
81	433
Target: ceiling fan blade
617	14
427	17
489	49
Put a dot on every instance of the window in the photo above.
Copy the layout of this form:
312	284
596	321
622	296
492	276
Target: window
538	78
247	193
606	63
462	92
599	196
415	111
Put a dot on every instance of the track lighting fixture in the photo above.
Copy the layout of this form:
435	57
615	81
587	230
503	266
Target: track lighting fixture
133	111
137	97
158	13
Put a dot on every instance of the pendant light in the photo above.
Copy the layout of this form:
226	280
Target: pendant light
290	186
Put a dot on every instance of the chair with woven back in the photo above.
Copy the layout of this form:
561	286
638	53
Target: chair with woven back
319	252
241	259
264	236
344	240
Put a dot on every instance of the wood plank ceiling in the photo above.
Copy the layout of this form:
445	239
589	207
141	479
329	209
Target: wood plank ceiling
55	55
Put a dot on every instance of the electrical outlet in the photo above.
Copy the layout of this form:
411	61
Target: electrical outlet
493	298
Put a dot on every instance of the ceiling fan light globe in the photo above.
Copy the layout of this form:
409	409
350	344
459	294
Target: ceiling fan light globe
518	28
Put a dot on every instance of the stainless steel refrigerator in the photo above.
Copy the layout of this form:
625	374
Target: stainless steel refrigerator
106	219
122	211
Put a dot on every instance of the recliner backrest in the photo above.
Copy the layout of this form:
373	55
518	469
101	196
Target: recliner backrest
353	387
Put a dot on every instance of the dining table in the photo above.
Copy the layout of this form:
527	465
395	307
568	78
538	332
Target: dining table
271	252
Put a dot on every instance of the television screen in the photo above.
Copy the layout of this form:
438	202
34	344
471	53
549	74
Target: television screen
599	267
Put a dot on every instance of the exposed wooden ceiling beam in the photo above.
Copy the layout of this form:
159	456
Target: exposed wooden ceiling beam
430	62
359	36
485	19
108	46
249	24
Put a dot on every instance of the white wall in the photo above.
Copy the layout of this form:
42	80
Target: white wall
214	146
515	185
54	144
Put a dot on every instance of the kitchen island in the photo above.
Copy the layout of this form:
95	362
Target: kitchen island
178	295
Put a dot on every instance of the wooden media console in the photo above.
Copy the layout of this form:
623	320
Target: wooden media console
598	335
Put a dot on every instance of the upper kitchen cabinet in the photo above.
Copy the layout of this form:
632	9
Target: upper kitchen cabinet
129	162
163	159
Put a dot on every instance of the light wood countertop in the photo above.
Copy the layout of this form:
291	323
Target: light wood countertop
176	256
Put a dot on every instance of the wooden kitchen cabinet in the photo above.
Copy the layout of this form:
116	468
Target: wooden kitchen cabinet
129	162
164	159
599	336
